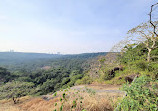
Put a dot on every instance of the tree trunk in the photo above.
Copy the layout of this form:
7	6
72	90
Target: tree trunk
148	58
14	100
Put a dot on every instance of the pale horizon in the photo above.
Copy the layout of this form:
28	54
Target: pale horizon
13	51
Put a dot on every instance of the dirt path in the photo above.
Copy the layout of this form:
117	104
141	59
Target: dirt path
100	88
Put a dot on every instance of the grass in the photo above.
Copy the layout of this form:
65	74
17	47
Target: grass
8	105
84	100
31	104
90	102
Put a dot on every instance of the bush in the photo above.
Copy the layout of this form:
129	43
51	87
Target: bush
141	95
154	68
16	90
143	65
48	86
84	80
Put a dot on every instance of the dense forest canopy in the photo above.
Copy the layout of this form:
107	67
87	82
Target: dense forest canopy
44	72
35	61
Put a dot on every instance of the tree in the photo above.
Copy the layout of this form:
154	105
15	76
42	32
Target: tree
147	33
16	89
144	34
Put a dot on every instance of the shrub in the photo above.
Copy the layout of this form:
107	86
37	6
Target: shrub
143	65
141	96
16	90
84	80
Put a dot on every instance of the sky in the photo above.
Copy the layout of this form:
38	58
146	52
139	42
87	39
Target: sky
68	26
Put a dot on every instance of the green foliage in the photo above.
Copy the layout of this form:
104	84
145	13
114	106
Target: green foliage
143	65
65	80
61	99
55	104
64	95
134	60
85	80
153	67
48	86
74	79
76	101
5	75
107	76
63	70
141	95
16	89
61	107
35	61
74	104
133	53
90	91
55	94
102	60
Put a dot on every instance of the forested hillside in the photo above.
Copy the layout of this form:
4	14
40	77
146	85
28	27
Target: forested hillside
35	61
36	74
123	79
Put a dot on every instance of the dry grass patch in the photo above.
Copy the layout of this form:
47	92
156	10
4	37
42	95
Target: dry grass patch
79	101
9	108
38	104
8	105
73	100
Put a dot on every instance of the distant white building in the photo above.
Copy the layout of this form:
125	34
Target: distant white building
11	50
58	53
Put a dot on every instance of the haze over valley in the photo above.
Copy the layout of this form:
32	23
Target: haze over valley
78	55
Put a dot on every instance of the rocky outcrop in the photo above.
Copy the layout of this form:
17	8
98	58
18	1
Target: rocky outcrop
112	72
131	77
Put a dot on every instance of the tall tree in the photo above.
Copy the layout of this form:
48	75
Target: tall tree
144	33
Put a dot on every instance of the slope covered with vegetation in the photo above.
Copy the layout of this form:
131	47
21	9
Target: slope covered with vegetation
36	74
135	66
35	61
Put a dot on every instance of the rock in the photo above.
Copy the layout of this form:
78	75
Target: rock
45	98
112	72
131	77
120	78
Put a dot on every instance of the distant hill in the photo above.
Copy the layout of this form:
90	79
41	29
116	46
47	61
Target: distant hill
13	60
21	56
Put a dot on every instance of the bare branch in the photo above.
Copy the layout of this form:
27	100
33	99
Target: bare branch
150	14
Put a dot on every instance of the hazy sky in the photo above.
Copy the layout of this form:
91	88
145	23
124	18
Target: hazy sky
68	26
